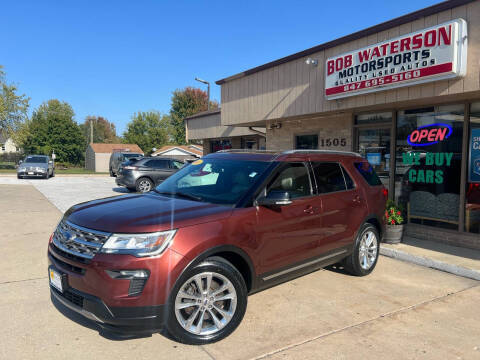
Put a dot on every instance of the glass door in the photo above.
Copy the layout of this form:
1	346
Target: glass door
374	145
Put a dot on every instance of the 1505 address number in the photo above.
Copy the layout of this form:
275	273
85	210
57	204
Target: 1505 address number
333	142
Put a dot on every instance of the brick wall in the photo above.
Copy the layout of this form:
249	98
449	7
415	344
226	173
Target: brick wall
337	127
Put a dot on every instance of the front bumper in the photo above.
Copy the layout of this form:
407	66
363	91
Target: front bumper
92	293
34	173
120	319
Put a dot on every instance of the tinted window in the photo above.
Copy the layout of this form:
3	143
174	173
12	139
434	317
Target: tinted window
368	173
157	164
293	179
329	177
128	156
306	142
348	180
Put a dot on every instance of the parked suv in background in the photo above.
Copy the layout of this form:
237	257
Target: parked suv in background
117	158
36	166
186	255
144	174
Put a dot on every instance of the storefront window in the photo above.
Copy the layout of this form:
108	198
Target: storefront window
217	145
428	164
306	141
472	193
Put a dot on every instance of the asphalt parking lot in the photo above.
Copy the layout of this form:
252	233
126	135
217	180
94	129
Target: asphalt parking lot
401	311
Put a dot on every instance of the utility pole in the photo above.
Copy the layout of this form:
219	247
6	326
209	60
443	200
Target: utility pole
91	131
208	91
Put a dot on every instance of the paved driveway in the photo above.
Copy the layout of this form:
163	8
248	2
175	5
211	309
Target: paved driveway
65	191
401	311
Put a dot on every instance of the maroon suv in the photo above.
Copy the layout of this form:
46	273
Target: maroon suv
186	255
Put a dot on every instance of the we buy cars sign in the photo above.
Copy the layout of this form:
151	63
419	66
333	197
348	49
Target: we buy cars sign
435	53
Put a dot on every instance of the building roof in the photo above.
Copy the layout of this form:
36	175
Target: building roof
203	113
184	149
110	148
445	5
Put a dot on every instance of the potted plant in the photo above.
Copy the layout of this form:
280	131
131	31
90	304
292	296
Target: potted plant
395	223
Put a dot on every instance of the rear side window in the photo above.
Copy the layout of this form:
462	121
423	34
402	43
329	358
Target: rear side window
368	173
329	177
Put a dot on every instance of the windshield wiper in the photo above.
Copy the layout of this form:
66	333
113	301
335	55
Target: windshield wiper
179	194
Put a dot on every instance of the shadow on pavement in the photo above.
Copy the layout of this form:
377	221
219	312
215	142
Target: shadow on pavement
121	190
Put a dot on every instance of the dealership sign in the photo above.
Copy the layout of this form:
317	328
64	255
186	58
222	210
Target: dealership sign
436	53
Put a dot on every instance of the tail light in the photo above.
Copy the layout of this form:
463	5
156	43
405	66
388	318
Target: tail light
385	193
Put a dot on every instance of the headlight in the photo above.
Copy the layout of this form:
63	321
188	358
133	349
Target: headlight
40	169
139	244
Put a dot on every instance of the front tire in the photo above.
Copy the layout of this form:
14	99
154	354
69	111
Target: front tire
207	303
365	253
144	185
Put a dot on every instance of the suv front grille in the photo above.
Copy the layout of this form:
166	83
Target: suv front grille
78	241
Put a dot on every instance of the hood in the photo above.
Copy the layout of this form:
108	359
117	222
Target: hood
140	213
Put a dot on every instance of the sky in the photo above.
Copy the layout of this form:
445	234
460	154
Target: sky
115	58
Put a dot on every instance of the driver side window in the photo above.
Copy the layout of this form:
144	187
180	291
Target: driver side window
292	178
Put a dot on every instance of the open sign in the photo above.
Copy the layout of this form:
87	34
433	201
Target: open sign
429	134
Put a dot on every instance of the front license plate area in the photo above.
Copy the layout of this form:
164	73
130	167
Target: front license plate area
30	173
56	279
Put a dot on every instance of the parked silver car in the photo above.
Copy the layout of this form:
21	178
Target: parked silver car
36	166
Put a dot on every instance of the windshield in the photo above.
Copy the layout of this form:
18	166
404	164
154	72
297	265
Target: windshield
213	180
36	159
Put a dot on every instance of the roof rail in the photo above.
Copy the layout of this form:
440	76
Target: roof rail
339	152
248	151
287	152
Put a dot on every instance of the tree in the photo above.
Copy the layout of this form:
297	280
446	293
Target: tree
52	128
103	130
13	107
187	102
148	130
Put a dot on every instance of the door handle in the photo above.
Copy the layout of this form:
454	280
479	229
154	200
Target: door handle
308	210
357	199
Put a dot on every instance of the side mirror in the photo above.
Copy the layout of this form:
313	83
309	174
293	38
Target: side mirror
275	198
50	162
21	161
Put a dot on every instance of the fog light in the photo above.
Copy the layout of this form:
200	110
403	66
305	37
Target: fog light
128	274
138	279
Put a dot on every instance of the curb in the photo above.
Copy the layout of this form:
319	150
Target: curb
430	263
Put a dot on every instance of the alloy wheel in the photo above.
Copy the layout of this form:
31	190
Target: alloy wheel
144	186
368	250
205	303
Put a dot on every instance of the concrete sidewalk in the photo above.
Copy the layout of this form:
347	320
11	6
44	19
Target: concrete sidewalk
452	259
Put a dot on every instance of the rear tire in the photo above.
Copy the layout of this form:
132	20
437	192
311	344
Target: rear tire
207	320
144	185
365	253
